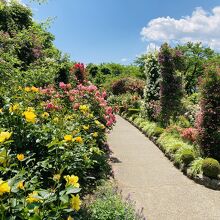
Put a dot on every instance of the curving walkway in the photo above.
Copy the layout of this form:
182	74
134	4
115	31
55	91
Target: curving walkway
144	173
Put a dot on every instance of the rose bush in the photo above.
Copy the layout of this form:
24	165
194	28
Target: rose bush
51	148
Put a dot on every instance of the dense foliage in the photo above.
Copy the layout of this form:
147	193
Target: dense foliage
208	120
195	55
105	74
125	85
170	61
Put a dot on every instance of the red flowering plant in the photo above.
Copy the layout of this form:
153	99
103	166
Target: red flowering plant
78	70
74	96
189	134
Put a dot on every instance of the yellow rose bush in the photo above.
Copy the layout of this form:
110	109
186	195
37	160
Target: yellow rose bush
52	149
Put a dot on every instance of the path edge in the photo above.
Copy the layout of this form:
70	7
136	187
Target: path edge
202	180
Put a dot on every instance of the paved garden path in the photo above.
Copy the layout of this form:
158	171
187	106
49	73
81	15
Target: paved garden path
142	171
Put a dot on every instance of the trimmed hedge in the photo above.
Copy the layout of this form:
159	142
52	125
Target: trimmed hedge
211	167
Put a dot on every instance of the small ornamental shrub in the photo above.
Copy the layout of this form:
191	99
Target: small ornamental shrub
187	156
107	204
170	61
196	166
208	121
210	167
143	124
138	121
158	131
189	134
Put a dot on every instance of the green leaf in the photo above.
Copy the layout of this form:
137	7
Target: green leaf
72	190
64	198
3	156
35	217
44	193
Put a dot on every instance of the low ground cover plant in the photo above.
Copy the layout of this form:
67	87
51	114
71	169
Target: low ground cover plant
107	203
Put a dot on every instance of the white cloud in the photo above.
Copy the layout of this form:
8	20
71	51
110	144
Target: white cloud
124	60
201	26
152	47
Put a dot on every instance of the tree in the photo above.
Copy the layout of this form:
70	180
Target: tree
170	61
92	69
208	121
195	57
14	17
140	62
152	87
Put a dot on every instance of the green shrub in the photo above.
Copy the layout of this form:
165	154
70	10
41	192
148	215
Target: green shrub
172	149
143	124
196	166
107	204
138	121
151	128
187	156
210	167
170	143
158	131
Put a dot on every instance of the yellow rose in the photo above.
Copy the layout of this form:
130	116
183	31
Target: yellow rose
68	137
20	185
72	180
30	116
84	108
95	134
4	187
33	197
14	107
4	136
20	157
79	140
34	89
75	202
86	127
45	115
27	89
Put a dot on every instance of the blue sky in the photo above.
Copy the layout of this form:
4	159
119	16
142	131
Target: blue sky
118	30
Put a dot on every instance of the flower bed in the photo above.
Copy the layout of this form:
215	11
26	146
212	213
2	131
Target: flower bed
51	149
182	153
